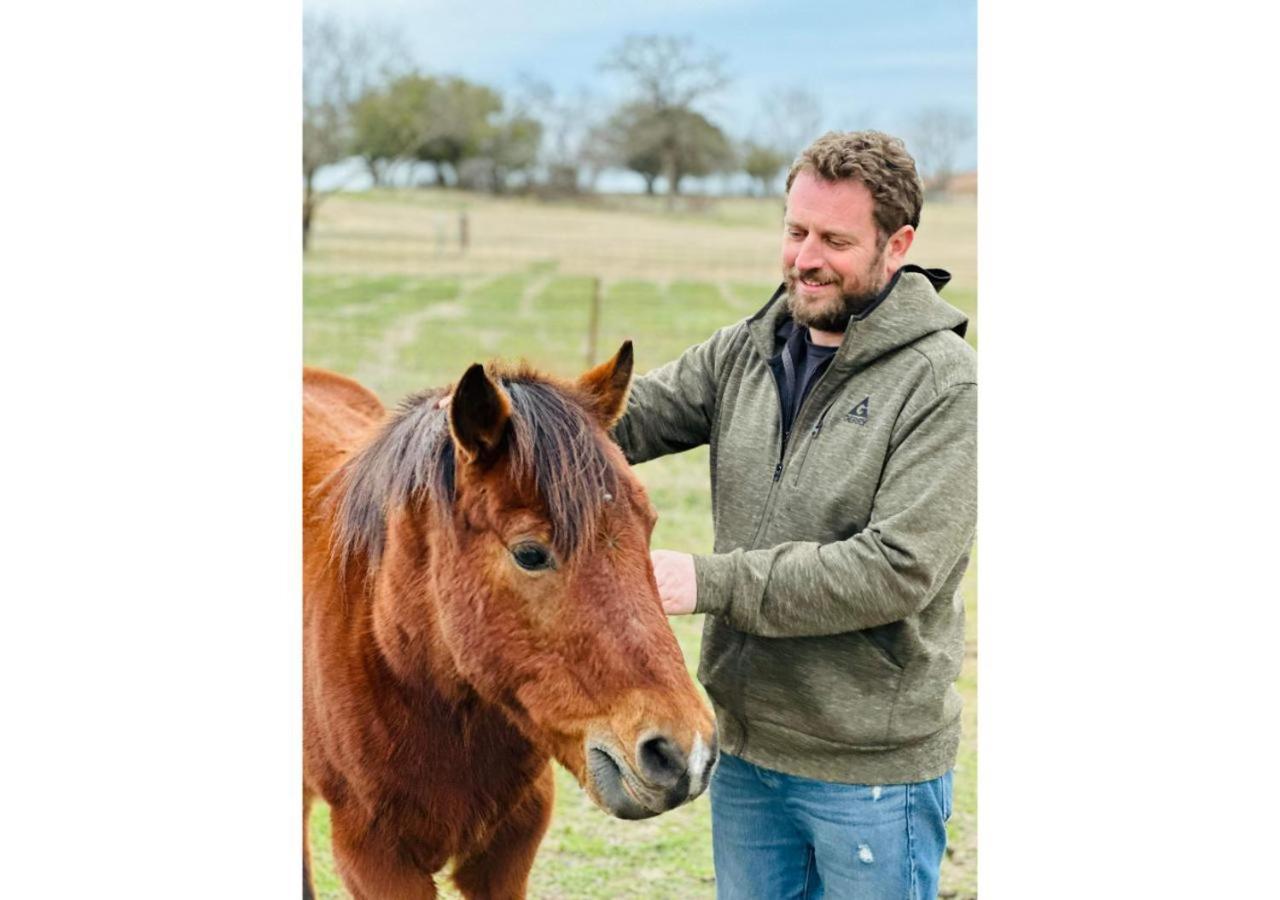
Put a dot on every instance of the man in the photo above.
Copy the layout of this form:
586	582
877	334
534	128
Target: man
841	419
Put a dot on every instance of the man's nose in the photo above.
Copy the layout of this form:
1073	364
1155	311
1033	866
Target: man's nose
809	255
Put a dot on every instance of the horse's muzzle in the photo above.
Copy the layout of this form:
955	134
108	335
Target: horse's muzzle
663	776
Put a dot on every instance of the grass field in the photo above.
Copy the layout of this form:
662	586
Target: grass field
391	300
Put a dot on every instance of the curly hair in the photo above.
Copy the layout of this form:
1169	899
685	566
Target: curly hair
878	160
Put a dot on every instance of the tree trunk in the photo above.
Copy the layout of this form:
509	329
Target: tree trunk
648	184
673	181
308	207
673	190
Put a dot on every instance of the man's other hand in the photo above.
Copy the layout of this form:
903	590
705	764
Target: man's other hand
677	583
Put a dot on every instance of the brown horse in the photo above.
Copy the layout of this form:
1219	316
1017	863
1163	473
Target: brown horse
479	600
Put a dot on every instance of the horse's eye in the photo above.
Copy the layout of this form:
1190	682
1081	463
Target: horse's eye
531	556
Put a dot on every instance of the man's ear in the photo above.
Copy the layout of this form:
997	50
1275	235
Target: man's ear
607	384
898	245
478	415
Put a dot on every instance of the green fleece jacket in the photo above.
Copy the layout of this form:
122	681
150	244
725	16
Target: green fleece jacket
835	626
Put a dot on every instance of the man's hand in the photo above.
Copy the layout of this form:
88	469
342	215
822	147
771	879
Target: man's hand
677	583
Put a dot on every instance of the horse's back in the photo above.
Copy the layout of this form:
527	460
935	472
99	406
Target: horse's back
336	413
329	389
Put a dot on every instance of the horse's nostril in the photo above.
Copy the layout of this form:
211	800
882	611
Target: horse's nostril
661	761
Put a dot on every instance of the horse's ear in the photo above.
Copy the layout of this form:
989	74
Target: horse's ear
606	386
478	415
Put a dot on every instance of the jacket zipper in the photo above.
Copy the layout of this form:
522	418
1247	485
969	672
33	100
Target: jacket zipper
813	437
777	471
777	468
782	449
782	429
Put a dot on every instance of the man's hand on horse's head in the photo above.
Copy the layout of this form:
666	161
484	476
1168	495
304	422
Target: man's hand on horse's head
677	582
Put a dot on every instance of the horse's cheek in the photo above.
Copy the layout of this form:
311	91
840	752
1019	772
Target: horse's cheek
481	619
461	601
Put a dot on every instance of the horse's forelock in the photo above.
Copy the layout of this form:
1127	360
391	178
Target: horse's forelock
554	443
560	446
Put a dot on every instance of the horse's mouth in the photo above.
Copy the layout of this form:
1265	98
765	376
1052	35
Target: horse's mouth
611	785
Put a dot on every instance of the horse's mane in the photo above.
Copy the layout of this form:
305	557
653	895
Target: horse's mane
553	441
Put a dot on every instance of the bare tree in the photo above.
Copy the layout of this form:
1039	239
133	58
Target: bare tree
792	117
595	155
667	71
339	64
934	137
568	152
788	121
669	76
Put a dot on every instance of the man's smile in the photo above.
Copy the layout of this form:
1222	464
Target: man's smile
813	285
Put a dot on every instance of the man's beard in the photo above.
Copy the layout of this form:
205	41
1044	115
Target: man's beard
834	315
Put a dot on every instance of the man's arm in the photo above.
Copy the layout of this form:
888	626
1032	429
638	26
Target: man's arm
921	525
671	408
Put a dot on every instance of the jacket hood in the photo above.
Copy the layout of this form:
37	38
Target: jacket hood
906	310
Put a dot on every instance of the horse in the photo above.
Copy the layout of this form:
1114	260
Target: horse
479	600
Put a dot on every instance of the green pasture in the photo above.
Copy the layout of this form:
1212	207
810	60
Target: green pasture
387	304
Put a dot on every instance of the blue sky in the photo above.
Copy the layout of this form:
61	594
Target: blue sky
869	64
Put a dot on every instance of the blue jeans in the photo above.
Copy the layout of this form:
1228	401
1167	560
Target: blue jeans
777	836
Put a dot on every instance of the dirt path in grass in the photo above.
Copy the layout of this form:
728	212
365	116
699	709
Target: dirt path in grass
524	307
382	362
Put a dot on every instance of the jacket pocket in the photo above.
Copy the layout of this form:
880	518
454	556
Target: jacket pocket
831	481
840	688
883	638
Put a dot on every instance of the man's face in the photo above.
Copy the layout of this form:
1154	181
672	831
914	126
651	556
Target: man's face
833	258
